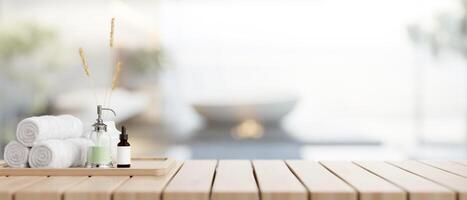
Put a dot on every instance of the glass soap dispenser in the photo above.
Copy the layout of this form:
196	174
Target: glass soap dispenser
99	155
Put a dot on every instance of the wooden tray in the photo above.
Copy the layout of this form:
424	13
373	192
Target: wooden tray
139	167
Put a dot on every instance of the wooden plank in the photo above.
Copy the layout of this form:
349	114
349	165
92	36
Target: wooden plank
48	189
418	187
95	188
144	187
9	185
277	182
462	162
452	167
139	167
455	182
369	186
234	180
192	182
322	184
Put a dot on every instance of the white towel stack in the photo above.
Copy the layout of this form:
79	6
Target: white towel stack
48	142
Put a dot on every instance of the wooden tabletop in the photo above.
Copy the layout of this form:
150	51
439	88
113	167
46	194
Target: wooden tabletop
258	179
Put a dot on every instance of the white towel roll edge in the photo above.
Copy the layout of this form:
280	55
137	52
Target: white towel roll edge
59	153
16	155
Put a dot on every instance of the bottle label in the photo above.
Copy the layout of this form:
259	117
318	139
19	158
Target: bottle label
124	155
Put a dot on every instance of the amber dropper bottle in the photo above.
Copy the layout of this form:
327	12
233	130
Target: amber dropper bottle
123	150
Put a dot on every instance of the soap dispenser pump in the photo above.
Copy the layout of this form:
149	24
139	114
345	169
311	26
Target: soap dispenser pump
99	155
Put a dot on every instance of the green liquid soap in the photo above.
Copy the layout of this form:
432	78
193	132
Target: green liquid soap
100	155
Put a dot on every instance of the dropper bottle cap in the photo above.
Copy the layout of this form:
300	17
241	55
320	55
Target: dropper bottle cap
123	135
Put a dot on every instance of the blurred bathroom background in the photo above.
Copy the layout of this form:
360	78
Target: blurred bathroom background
247	79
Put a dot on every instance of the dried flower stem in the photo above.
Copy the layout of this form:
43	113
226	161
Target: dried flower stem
116	75
112	28
87	71
111	45
115	79
84	61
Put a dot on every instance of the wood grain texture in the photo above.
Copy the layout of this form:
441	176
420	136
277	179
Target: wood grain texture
455	182
9	185
144	187
321	183
192	182
48	189
369	186
95	188
462	162
242	179
418	188
277	182
234	180
452	167
139	167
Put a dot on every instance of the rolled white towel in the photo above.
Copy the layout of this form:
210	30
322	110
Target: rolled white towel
33	129
59	153
16	154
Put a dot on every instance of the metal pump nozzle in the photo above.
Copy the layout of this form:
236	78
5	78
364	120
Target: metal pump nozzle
99	125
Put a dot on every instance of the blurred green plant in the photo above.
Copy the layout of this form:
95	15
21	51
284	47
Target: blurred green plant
28	57
141	66
143	60
23	39
445	30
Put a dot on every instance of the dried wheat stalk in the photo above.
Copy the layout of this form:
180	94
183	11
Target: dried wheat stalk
116	76
112	27
84	61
